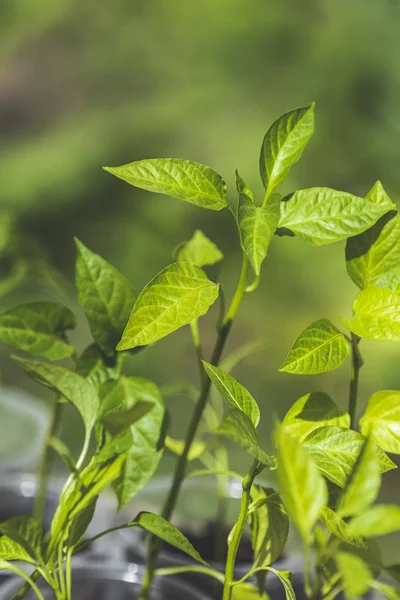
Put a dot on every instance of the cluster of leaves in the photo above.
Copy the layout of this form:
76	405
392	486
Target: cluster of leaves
329	473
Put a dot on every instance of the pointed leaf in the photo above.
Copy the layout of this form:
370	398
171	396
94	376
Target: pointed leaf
27	532
175	297
182	179
340	529
283	145
238	427
322	215
302	487
356	576
381	420
38	328
117	421
321	347
363	484
145	452
96	367
105	295
71	386
167	532
312	411
11	550
269	526
256	228
381	519
242	187
373	257
199	250
376	315
233	392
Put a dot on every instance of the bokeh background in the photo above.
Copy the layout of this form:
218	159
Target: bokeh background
85	84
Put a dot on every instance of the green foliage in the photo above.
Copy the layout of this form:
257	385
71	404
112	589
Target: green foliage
175	297
106	297
238	427
96	367
269	526
319	348
38	328
182	179
377	521
356	575
381	420
199	250
340	528
27	533
376	315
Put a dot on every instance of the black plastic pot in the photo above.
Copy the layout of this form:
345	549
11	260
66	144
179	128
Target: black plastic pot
195	511
109	581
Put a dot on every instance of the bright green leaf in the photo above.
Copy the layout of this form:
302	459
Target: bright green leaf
38	328
176	446
376	315
363	484
322	215
257	226
238	427
283	145
199	250
247	591
373	257
312	411
242	187
105	295
182	179
321	347
11	550
70	385
381	420
356	576
175	297
381	519
96	367
233	392
27	532
339	528
167	532
269	526
302	487
144	443
117	421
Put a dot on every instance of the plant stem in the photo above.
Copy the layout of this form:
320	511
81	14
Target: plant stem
154	544
356	364
238	531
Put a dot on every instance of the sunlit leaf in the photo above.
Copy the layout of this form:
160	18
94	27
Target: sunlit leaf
105	295
176	446
381	420
38	328
378	520
340	528
323	215
11	550
356	576
376	315
238	427
199	250
302	486
233	392
175	297
182	179
242	187
312	411
283	145
269	526
247	591
26	532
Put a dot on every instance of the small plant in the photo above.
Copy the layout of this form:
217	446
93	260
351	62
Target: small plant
328	464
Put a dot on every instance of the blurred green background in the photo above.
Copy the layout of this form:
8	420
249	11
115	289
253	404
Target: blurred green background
85	84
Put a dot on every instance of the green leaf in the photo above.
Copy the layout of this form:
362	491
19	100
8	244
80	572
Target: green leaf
339	528
199	250
322	215
182	179
175	297
105	295
321	347
242	187
302	487
176	446
378	195
26	532
363	484
356	576
371	555
117	421
81	523
381	519
11	550
312	411
373	257
257	226
145	452
233	392
381	420
269	526
238	427
38	328
283	145
247	591
96	367
167	532
376	315
70	385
